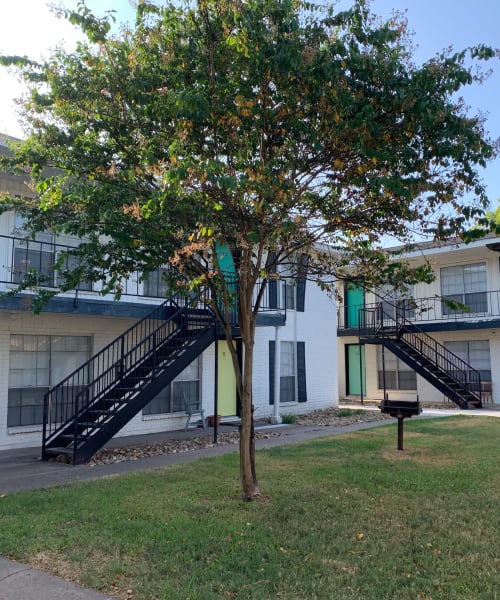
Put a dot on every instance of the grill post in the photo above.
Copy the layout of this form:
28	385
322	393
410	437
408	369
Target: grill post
400	410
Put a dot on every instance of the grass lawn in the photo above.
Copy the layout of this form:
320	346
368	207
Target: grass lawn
348	517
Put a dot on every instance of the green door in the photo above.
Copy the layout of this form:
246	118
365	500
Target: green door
225	260
355	370
228	270
226	381
354	300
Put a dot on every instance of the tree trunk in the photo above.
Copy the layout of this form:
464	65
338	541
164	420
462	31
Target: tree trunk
249	486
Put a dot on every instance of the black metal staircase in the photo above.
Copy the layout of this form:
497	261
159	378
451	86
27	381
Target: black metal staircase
88	407
447	372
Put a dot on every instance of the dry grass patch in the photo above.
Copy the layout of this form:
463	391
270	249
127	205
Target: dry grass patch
53	563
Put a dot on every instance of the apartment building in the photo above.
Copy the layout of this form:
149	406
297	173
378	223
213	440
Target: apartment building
437	342
90	354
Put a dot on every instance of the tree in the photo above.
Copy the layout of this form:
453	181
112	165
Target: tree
264	126
494	216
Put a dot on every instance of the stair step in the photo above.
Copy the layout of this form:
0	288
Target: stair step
90	424
111	402
59	450
117	396
71	438
99	412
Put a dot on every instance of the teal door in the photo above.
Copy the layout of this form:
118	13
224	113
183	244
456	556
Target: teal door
355	370
228	270
354	300
225	260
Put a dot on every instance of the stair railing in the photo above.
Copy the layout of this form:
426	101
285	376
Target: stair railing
76	392
83	388
376	323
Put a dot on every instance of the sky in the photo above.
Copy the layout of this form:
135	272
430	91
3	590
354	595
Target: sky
28	27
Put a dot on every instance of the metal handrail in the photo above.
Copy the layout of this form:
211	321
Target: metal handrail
375	322
39	270
81	388
84	387
477	305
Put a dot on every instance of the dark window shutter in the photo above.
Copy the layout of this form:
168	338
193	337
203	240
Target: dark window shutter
301	372
272	346
272	284
273	293
301	281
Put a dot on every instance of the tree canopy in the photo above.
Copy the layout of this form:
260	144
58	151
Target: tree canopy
266	126
494	216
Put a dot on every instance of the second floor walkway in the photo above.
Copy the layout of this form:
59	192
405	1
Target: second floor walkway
477	310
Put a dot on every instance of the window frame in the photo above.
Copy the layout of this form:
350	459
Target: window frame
41	254
467	355
393	376
30	397
288	372
475	299
301	370
154	285
170	396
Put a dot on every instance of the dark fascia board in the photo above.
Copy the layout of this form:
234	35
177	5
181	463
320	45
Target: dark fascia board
83	306
493	323
106	308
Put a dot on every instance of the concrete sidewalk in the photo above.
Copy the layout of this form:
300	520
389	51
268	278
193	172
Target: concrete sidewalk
22	470
20	582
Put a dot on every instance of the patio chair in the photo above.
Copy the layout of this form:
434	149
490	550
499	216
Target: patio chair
192	409
487	392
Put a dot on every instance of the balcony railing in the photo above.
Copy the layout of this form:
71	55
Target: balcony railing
34	262
478	306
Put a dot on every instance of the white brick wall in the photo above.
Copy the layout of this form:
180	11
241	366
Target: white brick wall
102	330
316	326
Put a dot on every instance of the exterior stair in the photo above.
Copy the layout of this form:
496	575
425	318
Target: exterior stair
447	372
87	408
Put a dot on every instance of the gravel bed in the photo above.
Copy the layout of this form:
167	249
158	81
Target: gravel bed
330	416
116	455
340	416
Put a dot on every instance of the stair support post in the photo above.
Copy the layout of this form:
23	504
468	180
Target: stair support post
383	368
216	387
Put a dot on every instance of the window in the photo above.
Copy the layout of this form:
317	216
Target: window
292	372
474	352
287	273
170	399
35	258
33	255
71	263
293	273
288	371
155	283
397	303
37	362
467	285
398	375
